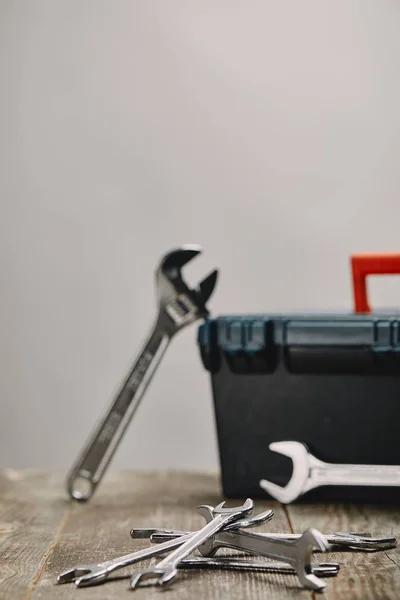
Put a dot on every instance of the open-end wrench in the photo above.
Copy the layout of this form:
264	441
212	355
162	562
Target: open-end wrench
337	541
363	541
87	574
178	306
296	553
240	564
146	533
94	573
309	472
166	570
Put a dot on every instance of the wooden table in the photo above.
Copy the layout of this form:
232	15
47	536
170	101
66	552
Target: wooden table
42	533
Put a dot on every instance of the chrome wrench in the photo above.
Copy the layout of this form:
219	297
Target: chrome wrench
87	574
166	570
309	472
296	553
178	306
140	533
240	564
338	541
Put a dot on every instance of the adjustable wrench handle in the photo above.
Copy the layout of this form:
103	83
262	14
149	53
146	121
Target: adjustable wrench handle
99	449
354	475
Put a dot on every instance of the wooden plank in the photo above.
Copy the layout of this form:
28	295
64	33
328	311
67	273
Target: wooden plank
99	530
32	510
363	575
42	533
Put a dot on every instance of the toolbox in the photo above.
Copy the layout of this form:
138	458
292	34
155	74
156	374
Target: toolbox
331	381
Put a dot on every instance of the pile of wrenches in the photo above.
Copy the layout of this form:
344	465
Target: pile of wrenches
229	528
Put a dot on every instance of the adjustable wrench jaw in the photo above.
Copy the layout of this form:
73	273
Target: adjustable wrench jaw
179	305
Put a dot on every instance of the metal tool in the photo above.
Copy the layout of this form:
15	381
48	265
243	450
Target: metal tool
231	564
309	472
178	306
362	541
337	541
166	570
140	533
93	573
343	541
295	552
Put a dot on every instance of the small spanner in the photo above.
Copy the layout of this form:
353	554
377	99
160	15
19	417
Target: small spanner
178	306
296	552
338	541
85	575
240	564
95	573
309	472
167	569
140	533
347	541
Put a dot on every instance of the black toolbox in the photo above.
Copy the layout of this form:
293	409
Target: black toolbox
331	381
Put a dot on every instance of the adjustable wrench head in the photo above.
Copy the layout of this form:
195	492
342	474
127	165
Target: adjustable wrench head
297	484
179	304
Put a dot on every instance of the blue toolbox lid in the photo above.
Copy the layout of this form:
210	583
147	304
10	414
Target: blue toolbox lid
305	342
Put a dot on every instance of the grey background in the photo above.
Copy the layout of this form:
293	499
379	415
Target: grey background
268	132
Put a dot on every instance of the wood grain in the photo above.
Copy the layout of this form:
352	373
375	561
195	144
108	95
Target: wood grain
42	533
100	529
31	513
363	575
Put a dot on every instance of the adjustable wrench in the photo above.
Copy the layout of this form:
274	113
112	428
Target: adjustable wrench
309	472
178	306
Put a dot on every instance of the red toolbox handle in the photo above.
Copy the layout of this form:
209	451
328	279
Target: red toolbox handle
370	264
